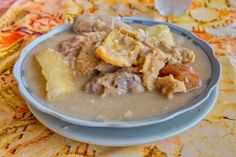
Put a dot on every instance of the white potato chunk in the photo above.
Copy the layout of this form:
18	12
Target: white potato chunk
56	72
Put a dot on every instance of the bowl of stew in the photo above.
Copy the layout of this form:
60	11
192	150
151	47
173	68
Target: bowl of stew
105	71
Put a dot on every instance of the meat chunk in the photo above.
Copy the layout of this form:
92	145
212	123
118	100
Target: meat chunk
168	85
95	37
152	43
182	54
86	62
70	49
71	44
183	73
153	62
79	52
175	54
96	23
117	83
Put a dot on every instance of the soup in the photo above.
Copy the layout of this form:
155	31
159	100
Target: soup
132	106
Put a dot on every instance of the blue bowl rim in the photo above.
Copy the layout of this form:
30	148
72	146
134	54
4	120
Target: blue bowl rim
216	73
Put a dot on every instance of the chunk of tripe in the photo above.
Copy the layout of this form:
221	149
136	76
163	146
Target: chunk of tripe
56	72
168	85
153	62
120	48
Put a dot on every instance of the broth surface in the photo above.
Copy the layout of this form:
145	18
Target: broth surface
118	108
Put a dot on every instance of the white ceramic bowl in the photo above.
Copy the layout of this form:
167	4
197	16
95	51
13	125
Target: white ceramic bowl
215	66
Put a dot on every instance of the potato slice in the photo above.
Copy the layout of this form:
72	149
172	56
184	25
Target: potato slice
56	72
120	48
161	33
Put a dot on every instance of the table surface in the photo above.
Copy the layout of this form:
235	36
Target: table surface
22	135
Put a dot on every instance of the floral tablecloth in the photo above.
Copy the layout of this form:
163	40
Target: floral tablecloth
21	135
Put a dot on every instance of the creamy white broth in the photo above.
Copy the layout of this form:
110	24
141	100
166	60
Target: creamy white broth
126	107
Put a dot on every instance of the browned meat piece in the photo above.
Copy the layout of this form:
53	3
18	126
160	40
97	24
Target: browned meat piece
70	49
175	54
183	73
71	44
87	61
117	83
168	85
153	44
95	23
182	54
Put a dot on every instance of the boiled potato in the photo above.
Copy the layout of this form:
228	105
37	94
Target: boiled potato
56	72
161	32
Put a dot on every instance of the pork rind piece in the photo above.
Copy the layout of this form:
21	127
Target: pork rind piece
56	72
153	62
168	85
120	48
183	72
